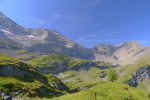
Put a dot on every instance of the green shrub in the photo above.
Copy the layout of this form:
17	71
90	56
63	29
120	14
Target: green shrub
112	75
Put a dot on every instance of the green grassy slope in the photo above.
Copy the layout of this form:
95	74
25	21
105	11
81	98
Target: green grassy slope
76	73
31	85
59	63
108	91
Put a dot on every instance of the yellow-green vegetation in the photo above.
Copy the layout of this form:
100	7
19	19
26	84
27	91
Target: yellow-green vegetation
32	84
25	55
7	60
49	60
59	63
90	81
73	73
9	84
76	63
107	91
70	76
52	79
112	75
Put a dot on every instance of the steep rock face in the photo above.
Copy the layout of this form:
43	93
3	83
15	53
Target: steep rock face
125	53
139	76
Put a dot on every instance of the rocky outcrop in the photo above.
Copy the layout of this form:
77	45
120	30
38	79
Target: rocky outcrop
139	76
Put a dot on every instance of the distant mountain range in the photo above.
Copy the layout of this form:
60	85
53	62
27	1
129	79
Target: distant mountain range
126	53
14	36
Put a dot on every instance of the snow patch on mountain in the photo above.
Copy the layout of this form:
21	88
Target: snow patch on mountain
5	31
31	36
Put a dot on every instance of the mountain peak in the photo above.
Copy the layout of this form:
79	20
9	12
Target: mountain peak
132	44
104	49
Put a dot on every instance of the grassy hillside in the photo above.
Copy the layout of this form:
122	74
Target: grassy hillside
89	76
108	91
76	73
59	63
49	60
126	72
32	84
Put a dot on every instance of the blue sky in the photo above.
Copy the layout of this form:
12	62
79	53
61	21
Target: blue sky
88	22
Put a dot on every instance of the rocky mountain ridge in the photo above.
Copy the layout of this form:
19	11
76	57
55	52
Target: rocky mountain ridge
41	40
125	53
14	36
